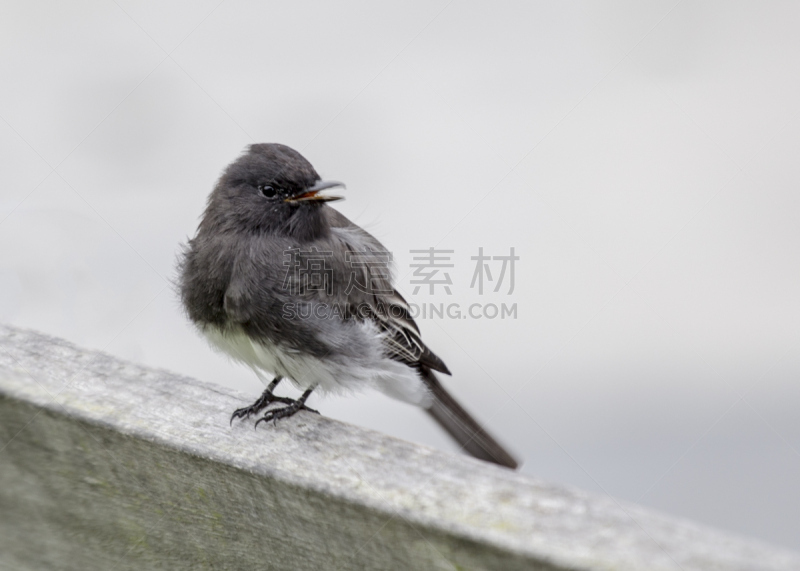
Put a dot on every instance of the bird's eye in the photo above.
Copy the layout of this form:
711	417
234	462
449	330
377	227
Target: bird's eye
267	191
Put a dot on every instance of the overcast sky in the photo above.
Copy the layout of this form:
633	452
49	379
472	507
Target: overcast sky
640	158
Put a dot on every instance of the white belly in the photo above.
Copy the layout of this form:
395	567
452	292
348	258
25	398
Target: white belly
329	375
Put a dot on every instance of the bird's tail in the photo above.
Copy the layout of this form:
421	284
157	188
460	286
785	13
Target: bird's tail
464	429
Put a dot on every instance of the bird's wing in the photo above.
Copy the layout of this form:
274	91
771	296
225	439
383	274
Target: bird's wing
384	305
402	337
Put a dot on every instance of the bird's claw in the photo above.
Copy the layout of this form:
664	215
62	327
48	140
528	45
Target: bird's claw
263	401
285	412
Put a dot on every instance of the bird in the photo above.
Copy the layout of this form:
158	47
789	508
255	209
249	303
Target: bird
278	280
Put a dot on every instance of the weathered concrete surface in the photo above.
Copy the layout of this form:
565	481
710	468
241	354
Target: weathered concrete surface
108	465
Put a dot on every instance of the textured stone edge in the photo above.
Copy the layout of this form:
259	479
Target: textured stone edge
457	495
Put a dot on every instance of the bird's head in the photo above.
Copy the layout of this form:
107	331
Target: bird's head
270	188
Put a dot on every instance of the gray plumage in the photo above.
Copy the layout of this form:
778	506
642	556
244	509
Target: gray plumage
282	282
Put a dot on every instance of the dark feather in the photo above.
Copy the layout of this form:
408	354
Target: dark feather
464	429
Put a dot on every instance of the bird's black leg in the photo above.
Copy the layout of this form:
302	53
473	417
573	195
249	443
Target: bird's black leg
287	411
263	401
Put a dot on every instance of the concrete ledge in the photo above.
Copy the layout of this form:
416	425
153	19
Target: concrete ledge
108	465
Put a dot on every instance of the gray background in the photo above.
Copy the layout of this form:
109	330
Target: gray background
640	157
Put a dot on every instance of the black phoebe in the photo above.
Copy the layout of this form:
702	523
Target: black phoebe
279	280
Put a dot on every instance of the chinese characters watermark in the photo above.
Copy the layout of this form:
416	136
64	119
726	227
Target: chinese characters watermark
427	269
482	269
318	278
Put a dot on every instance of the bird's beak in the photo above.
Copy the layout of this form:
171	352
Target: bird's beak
312	193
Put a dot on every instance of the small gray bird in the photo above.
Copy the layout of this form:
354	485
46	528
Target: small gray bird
277	279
